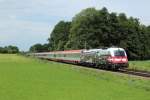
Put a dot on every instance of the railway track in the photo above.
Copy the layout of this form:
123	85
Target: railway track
122	70
135	72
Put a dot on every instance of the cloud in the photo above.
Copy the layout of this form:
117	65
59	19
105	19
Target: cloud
24	32
31	21
26	22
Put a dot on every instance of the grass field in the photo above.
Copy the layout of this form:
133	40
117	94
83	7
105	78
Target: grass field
140	65
24	78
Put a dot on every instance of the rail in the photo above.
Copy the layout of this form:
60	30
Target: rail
135	72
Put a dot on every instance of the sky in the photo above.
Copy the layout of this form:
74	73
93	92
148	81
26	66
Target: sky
27	22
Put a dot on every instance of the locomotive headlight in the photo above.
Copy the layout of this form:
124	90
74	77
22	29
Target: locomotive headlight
124	59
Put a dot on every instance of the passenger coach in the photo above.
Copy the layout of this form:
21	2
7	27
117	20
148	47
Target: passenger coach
109	58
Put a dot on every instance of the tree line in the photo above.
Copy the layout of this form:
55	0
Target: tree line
9	49
92	28
40	48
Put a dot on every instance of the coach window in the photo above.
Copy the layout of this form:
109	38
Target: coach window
64	55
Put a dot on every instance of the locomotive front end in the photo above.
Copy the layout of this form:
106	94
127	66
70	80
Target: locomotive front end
118	58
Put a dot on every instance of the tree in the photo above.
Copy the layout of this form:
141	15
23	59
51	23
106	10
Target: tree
93	28
39	48
85	28
59	36
12	49
36	48
9	49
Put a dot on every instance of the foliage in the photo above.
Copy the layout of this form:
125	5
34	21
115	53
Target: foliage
93	28
39	48
9	49
59	36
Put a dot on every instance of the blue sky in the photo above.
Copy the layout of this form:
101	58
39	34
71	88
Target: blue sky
26	22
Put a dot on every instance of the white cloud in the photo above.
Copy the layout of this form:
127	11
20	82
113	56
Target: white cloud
25	22
30	21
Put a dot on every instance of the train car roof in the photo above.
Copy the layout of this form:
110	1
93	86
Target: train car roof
61	52
79	51
114	48
102	49
67	51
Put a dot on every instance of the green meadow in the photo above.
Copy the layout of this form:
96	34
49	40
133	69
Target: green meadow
23	78
140	65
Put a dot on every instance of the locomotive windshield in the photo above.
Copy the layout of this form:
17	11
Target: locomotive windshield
119	53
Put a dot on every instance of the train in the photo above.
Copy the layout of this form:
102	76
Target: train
107	58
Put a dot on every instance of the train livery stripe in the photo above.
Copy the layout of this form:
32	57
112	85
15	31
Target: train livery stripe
71	61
